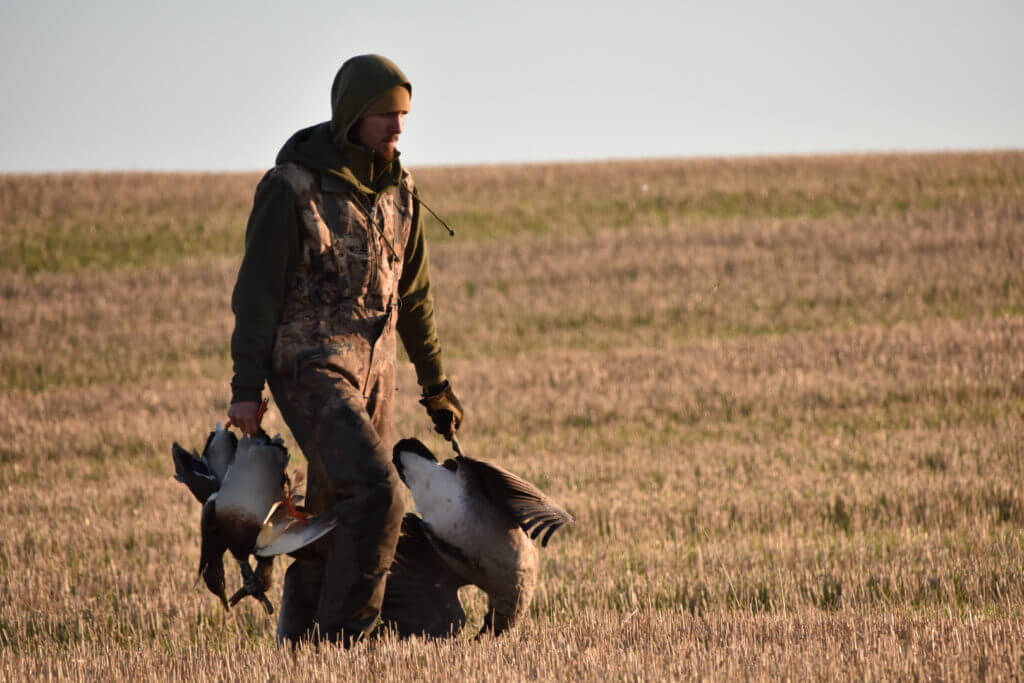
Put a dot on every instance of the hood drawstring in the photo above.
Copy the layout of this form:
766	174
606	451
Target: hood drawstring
433	213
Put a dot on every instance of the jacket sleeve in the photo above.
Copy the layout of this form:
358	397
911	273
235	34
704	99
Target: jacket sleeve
416	312
272	250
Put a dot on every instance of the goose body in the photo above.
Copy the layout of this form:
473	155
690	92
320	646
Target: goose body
476	517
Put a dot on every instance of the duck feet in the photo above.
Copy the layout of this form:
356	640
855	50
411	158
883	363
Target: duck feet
252	585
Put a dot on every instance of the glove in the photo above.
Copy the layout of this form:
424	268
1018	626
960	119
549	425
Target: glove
444	409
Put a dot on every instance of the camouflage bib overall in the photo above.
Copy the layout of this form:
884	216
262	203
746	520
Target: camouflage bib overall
343	303
333	378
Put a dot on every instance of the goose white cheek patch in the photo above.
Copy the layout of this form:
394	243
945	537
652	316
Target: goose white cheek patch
436	490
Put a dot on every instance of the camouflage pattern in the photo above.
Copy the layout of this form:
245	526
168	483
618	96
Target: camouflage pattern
333	378
343	302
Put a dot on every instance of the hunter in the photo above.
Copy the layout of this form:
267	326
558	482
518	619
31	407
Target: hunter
335	264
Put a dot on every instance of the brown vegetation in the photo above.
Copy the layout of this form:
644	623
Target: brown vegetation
784	399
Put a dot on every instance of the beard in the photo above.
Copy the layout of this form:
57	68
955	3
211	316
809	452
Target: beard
388	150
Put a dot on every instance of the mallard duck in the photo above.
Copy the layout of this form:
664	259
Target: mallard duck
240	483
476	516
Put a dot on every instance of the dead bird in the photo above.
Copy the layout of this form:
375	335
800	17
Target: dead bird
239	483
477	517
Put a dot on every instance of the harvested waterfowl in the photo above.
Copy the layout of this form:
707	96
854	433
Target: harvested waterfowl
476	516
239	484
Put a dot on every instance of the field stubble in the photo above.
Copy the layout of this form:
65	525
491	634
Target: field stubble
783	398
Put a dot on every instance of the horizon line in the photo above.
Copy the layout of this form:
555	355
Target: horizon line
752	156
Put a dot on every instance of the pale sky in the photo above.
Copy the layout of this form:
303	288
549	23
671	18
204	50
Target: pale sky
189	85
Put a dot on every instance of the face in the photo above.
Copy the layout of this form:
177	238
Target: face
380	132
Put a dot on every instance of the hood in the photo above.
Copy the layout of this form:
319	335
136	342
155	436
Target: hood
359	82
327	146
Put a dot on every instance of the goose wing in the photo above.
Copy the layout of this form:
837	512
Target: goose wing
422	594
533	511
193	472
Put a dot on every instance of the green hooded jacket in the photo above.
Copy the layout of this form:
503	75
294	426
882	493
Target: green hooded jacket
273	239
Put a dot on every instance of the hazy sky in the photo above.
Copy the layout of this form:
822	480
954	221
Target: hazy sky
215	85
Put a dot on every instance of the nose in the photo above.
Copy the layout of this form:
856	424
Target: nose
396	124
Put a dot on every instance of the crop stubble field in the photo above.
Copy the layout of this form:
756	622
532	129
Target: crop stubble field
783	397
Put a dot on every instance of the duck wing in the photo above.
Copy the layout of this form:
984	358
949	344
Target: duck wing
219	451
421	597
533	511
283	532
193	472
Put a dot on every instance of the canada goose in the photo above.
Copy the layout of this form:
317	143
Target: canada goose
476	516
240	484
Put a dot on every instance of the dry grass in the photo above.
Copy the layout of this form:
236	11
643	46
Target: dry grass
783	397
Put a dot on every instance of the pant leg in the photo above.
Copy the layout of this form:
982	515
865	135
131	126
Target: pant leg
303	579
299	599
350	470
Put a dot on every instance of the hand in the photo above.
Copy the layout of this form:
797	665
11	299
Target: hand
247	415
444	409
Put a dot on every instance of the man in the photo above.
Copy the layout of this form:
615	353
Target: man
335	263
